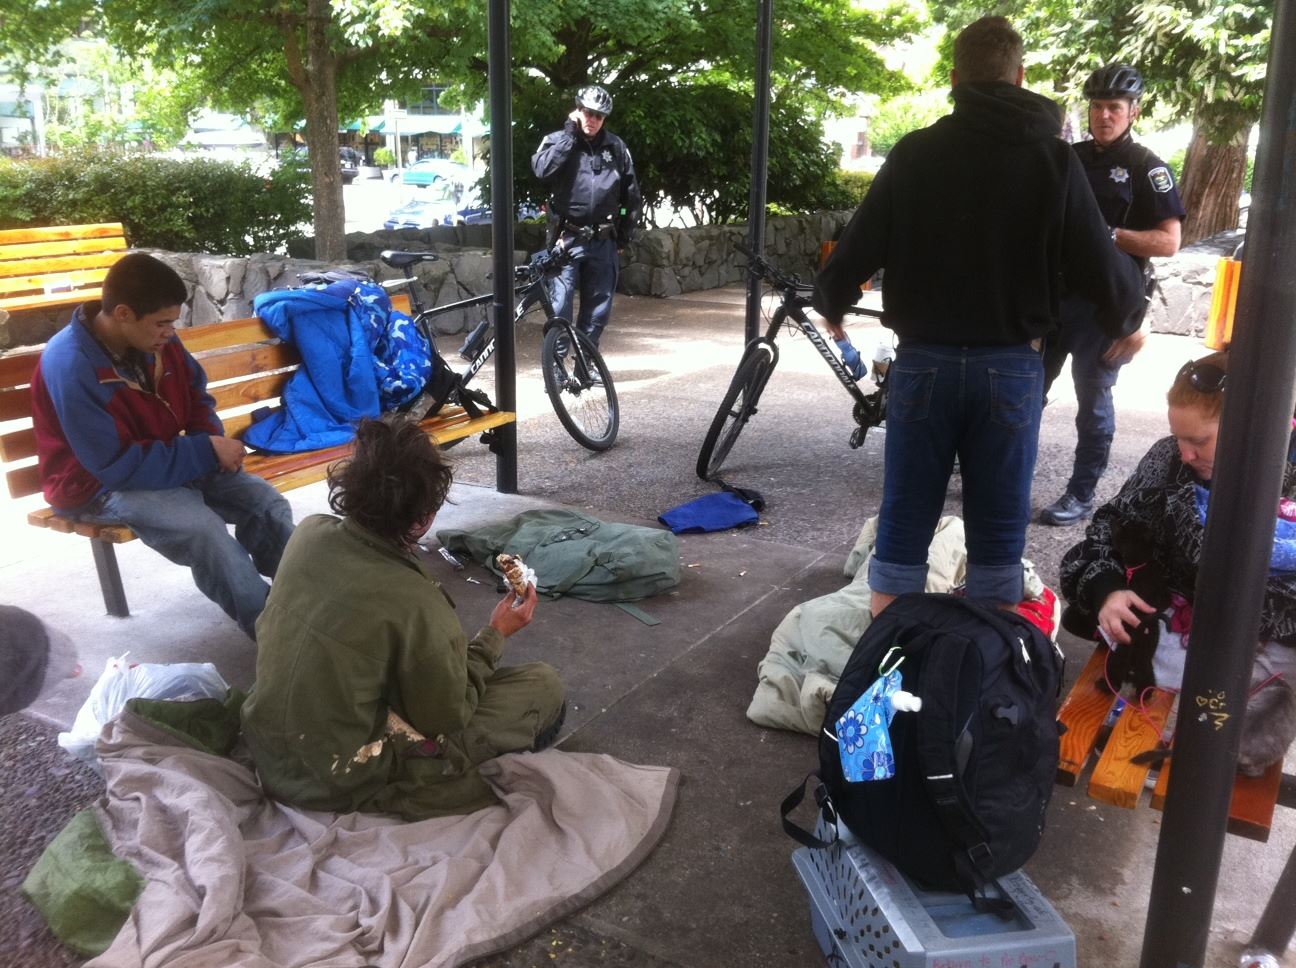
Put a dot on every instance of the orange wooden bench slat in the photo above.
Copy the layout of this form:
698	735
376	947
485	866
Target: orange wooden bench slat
1115	779
89	230
15	404
23	481
59	247
18	444
49	264
76	280
1084	711
16	369
58	265
243	392
1252	807
234	332
248	362
46	300
113	533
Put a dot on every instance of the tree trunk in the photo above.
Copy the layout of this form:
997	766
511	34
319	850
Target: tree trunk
319	97
1213	178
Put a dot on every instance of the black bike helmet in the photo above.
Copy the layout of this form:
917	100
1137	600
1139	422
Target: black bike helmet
594	98
1117	80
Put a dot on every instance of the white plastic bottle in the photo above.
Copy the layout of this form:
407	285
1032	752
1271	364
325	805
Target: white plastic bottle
882	358
1257	958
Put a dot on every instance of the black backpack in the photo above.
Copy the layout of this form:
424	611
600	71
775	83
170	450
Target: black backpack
974	767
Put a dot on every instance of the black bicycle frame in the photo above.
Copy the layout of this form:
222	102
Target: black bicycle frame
816	338
531	294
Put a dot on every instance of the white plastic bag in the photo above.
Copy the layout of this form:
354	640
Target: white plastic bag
146	680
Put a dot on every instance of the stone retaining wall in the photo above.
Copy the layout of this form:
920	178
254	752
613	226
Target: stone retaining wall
663	262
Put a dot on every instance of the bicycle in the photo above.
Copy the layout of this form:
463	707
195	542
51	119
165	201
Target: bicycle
759	358
576	379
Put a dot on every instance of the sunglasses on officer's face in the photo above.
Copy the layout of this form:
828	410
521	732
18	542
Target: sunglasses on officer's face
593	115
1203	377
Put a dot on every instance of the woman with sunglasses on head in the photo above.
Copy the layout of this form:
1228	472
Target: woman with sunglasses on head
1167	495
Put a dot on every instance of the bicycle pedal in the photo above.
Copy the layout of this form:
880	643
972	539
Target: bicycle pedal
857	437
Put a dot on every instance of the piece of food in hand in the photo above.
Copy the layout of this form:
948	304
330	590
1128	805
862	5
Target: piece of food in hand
515	572
398	727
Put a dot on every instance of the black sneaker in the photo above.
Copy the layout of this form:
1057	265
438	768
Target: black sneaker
1068	509
545	738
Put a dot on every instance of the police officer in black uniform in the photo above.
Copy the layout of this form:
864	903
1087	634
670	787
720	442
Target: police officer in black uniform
1137	196
592	182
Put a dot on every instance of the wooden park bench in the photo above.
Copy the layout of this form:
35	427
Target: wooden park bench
58	266
1116	780
247	367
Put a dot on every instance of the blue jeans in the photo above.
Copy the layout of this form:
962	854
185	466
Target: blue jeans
187	526
593	273
982	405
1095	421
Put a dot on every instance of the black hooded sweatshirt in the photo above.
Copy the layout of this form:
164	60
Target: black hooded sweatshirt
980	221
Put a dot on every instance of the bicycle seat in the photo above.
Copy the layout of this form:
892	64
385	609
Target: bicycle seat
399	260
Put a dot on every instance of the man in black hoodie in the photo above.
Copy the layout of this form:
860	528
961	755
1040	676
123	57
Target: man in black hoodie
977	221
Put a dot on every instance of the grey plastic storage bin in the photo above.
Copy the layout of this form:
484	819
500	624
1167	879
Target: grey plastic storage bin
866	914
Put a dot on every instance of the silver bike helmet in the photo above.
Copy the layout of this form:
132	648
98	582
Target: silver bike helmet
1116	80
594	98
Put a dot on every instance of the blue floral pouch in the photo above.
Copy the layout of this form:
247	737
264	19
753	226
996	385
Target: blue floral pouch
863	737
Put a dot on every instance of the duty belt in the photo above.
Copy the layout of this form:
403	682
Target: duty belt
604	230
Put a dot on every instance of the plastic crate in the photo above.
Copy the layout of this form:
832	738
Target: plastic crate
866	914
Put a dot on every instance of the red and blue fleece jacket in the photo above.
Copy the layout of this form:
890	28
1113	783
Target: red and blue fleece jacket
98	431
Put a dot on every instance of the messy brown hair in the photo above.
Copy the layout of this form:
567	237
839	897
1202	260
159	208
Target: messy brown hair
395	479
988	50
1182	393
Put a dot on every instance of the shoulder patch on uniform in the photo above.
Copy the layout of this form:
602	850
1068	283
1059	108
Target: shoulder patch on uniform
1161	179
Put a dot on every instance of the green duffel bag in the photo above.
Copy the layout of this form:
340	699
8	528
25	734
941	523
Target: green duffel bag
574	554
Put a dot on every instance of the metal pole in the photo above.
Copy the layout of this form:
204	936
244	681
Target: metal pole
760	159
1278	923
1254	433
501	160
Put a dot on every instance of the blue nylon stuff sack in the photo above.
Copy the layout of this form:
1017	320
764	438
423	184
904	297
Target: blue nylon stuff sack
711	512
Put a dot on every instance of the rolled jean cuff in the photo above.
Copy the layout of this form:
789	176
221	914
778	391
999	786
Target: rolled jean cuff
892	579
995	583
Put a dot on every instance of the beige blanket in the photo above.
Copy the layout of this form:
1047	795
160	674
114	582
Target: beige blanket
809	648
234	879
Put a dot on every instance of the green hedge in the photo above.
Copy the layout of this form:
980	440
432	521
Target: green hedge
194	205
856	184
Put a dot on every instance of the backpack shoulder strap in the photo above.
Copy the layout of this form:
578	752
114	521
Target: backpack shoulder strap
793	800
940	747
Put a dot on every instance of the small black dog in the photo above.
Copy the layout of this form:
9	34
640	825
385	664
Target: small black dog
1134	546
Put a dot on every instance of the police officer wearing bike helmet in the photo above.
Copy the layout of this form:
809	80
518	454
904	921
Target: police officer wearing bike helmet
593	192
1137	196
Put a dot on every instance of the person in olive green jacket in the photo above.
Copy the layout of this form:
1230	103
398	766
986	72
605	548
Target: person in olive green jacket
355	629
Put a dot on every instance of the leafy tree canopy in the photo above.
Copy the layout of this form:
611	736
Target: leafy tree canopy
682	72
1203	60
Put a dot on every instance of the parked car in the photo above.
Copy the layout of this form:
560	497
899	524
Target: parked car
448	202
431	170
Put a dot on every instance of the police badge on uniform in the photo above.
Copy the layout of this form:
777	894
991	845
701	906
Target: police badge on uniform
607	156
1162	180
1119	175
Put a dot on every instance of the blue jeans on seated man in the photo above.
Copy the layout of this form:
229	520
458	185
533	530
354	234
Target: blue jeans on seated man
593	273
982	405
1095	421
187	525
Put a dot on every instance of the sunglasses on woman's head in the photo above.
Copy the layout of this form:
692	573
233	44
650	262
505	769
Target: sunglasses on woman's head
1203	377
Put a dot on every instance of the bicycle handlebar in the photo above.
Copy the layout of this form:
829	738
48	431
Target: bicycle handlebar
783	281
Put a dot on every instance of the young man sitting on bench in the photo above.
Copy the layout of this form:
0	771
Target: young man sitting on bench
127	434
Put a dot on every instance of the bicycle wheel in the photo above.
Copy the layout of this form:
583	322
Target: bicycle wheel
738	406
579	386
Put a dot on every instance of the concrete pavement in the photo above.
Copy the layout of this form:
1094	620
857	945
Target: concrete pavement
719	890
